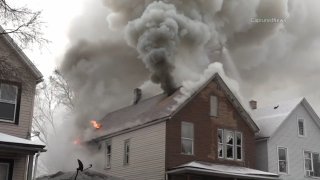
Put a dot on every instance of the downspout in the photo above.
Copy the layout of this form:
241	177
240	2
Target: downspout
35	166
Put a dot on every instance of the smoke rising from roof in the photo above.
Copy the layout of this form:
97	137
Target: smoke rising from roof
116	46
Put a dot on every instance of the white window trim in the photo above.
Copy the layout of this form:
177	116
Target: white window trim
241	146
10	102
304	164
287	159
125	153
184	138
304	126
106	154
222	144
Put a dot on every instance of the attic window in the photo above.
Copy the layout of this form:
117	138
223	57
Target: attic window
301	127
8	102
214	106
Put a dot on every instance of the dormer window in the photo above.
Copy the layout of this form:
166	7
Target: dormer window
301	127
8	102
214	106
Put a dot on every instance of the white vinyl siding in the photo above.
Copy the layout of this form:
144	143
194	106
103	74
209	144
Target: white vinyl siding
286	136
214	106
147	155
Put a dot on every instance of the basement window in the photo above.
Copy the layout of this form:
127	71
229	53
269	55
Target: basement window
214	106
8	102
126	152
187	138
108	154
301	127
282	160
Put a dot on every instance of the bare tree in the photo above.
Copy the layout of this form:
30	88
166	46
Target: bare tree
22	23
52	94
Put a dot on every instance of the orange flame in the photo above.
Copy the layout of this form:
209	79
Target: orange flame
95	124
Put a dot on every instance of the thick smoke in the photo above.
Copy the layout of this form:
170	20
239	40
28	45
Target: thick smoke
271	47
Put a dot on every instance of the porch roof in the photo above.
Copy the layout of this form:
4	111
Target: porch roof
211	169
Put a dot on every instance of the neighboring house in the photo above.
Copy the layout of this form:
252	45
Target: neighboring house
202	136
17	91
289	140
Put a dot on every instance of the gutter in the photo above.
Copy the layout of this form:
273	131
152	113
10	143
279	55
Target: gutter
35	166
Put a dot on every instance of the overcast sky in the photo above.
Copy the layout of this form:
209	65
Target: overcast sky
57	16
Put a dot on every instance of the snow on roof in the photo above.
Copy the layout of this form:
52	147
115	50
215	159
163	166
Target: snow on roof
227	169
269	118
86	175
160	107
15	140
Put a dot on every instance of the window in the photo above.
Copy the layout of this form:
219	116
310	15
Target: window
8	102
220	143
126	152
301	127
6	169
229	139
229	144
214	106
238	145
282	160
312	164
187	138
108	154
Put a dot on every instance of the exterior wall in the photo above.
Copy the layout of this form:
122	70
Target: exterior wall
197	111
28	83
287	136
19	166
262	155
147	154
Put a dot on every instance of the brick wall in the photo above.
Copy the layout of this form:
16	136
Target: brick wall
197	111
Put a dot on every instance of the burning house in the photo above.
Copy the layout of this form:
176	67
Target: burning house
203	134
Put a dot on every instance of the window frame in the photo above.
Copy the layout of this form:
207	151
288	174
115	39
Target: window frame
312	164
236	145
287	160
304	127
16	114
126	154
216	114
222	143
10	163
226	145
108	155
188	139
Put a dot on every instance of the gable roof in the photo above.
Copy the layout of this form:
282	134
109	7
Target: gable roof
269	118
162	107
22	56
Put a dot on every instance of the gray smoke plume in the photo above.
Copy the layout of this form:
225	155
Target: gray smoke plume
271	47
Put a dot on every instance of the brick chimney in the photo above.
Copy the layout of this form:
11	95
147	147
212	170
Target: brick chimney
253	104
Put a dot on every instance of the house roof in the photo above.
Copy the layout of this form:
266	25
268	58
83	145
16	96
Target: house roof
162	107
221	170
22	55
8	141
270	118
